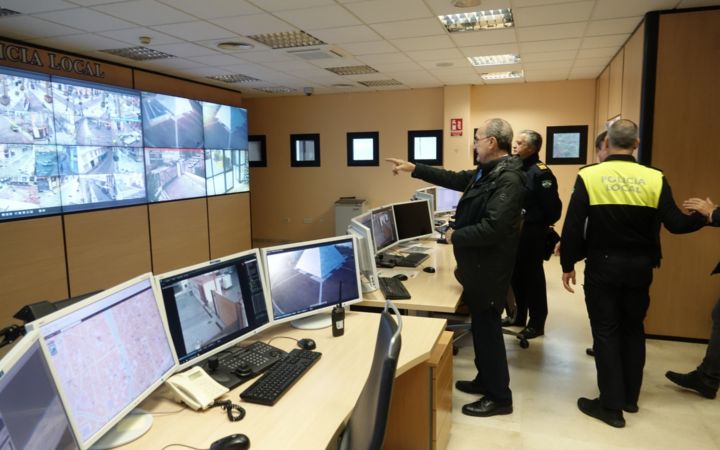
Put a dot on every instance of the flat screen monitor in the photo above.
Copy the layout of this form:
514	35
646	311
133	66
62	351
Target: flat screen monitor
32	417
227	171
171	122
309	278
426	194
214	305
446	200
174	173
107	353
225	126
366	254
26	108
383	228
413	219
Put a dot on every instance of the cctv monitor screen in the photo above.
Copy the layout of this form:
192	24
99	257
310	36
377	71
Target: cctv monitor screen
309	277
413	219
174	173
225	126
171	122
383	228
107	353
32	417
214	305
227	171
446	200
366	255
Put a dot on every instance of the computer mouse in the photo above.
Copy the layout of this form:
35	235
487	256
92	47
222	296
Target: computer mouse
232	442
401	277
429	269
306	344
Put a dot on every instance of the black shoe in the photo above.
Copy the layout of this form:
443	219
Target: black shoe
590	351
593	408
486	408
470	387
530	333
692	381
631	408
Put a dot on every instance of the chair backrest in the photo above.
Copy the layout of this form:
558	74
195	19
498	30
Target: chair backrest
366	428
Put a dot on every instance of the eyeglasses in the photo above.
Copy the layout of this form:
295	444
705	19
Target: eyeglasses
476	140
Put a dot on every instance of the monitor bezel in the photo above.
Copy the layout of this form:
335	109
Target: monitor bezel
424	194
365	234
430	218
393	243
232	342
38	324
326	308
445	211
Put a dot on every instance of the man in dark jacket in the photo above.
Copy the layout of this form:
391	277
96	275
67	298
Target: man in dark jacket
484	240
542	209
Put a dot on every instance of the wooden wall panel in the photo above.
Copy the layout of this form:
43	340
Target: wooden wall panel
32	266
601	100
615	85
105	248
229	224
179	234
687	107
155	82
632	76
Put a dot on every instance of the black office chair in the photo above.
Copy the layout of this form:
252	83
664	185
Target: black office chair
366	428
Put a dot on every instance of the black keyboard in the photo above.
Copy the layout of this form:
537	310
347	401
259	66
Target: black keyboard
268	389
238	364
412	259
393	289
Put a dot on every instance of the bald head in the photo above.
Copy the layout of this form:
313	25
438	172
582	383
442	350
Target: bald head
623	135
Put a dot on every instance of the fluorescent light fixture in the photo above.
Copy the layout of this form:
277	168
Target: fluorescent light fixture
235	78
502	75
493	60
491	19
275	90
287	39
351	70
138	53
380	83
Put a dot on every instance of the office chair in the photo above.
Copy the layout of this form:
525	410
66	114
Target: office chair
366	428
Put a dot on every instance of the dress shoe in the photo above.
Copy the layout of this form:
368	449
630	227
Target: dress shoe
593	408
693	381
631	408
486	408
470	387
530	333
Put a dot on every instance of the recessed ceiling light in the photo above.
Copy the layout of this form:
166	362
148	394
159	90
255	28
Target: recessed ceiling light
231	45
502	75
343	85
235	78
493	60
275	90
287	39
491	19
138	53
379	83
351	70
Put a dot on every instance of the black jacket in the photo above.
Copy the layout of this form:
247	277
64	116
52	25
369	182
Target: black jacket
542	202
487	226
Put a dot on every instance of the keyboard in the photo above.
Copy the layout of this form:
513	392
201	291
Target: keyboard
412	259
268	389
238	364
393	289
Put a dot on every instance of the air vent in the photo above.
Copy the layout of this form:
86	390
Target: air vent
287	39
379	83
315	53
138	53
4	12
275	90
236	78
351	70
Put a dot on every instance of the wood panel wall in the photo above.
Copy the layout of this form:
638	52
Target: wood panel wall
229	224
179	234
615	87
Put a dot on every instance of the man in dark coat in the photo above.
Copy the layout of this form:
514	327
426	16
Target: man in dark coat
484	240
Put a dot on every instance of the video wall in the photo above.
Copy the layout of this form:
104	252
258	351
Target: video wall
68	145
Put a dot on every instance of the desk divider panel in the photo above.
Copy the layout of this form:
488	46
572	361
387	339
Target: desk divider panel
229	221
179	234
32	266
107	247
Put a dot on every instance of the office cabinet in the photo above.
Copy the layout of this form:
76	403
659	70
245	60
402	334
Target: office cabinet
345	210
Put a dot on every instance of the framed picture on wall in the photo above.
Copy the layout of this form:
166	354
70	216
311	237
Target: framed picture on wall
257	154
567	144
363	149
304	150
426	147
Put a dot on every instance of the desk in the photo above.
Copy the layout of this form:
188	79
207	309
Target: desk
311	412
432	292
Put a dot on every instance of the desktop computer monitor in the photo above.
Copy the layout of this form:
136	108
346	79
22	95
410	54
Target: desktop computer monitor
426	194
383	228
446	200
366	253
214	305
32	417
413	219
307	279
107	353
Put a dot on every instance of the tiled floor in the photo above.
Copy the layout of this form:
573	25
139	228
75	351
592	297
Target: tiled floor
548	377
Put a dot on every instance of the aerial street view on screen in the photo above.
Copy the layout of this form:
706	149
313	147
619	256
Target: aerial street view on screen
210	306
28	178
174	173
306	279
171	122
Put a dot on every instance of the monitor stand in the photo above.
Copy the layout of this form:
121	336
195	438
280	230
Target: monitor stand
134	425
314	322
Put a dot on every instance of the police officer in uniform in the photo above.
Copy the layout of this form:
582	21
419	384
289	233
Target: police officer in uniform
542	209
613	220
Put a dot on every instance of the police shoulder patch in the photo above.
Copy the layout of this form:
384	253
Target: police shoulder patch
541	165
546	184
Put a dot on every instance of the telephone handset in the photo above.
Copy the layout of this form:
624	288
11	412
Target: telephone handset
195	388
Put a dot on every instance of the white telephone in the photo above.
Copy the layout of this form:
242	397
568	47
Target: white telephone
195	388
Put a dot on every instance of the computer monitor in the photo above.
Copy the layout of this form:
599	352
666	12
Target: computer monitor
383	228
413	219
366	254
32	417
446	200
107	353
426	194
214	305
307	279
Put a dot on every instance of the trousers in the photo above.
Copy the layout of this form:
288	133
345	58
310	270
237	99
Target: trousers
490	356
709	369
528	279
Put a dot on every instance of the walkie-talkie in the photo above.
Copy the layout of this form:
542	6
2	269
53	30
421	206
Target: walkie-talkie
338	316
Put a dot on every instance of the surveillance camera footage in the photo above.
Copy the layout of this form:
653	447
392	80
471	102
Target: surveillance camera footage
29	181
174	173
171	122
227	171
225	126
26	110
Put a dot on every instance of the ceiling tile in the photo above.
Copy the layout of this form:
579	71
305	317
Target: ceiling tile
550	46
290	66
457	64
612	26
254	24
436	55
131	36
215	60
342	35
580	73
318	17
615	40
528	3
36	6
390	67
491	37
28	27
211	9
533	77
552	14
410	28
145	12
194	31
206	71
549	56
264	56
486	50
597	52
174	63
592	62
80	42
423	43
384	58
366	48
548	65
442	7
279	5
184	49
86	19
610	9
377	11
414	77
547	32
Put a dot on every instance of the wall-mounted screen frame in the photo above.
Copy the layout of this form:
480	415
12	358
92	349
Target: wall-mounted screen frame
426	147
257	150
567	144
363	149
305	150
